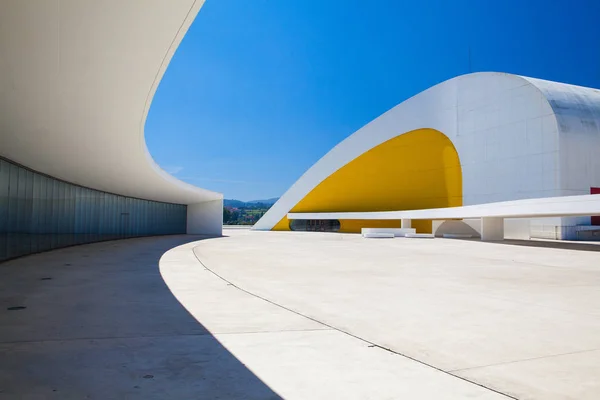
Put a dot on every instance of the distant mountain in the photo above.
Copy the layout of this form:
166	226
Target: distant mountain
240	204
267	201
233	203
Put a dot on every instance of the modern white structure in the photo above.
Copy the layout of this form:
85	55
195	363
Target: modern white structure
77	79
491	216
474	139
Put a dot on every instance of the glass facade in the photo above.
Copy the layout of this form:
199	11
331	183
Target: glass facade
320	225
39	213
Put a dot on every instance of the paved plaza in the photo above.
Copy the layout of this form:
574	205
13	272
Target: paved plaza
265	315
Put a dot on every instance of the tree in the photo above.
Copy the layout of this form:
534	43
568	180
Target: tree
226	215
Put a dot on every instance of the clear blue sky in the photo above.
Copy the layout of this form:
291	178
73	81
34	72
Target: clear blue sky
259	90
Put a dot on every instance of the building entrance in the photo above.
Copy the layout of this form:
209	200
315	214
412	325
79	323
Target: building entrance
315	225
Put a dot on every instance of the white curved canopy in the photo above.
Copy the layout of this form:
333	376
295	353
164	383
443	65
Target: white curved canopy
76	81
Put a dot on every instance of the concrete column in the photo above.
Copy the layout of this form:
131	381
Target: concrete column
205	218
492	228
405	223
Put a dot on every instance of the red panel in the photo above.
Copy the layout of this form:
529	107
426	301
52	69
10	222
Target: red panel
596	219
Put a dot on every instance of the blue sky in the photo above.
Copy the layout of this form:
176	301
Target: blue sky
259	90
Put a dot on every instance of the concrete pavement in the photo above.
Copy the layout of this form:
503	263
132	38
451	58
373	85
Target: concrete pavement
523	320
261	315
105	326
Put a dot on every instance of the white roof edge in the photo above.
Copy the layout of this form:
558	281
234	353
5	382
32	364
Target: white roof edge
583	205
77	85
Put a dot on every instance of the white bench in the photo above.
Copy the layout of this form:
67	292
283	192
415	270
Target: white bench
381	235
396	232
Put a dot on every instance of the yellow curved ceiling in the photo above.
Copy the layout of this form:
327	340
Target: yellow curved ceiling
416	170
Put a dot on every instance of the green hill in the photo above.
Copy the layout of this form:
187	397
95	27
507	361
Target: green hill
237	212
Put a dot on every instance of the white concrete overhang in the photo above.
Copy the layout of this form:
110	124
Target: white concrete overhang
77	78
584	205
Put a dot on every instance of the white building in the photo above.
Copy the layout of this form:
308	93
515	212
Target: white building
477	138
76	82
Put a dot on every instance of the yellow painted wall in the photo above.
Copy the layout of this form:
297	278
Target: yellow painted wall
419	169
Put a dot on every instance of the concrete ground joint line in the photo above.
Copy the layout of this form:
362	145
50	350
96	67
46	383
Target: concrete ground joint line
350	334
523	360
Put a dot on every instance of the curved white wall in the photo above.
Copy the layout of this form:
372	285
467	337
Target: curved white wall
503	126
577	111
76	81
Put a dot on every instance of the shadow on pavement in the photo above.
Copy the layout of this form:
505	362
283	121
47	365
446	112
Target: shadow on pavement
100	323
554	244
551	244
